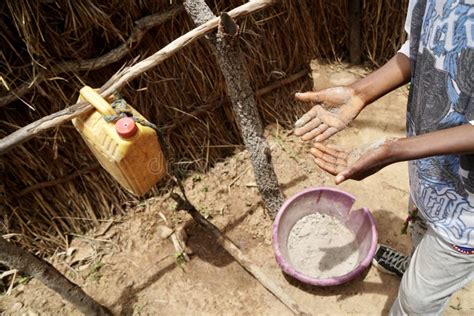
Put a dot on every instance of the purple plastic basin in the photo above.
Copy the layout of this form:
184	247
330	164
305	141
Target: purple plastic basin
334	203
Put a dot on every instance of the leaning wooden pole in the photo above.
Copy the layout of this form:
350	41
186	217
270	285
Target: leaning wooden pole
15	257
230	59
235	252
124	76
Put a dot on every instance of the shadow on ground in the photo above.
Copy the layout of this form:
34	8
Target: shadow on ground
388	286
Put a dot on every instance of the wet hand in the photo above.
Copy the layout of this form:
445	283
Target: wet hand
337	107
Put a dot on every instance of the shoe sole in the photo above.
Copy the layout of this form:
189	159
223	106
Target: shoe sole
381	268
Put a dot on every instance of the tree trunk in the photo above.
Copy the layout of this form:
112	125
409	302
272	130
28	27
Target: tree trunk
229	57
17	258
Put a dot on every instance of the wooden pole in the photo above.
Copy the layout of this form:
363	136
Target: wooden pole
227	51
124	76
235	252
354	7
15	257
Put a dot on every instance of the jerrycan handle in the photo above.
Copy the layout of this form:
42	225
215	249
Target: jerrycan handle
96	100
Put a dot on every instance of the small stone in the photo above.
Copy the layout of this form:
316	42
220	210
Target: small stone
19	289
84	267
164	231
16	307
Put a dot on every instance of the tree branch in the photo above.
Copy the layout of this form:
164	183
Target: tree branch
51	183
230	59
142	26
15	257
124	76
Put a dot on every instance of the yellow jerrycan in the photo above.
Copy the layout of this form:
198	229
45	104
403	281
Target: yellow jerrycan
125	145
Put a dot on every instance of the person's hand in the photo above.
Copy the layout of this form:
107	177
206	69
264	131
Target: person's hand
355	164
337	107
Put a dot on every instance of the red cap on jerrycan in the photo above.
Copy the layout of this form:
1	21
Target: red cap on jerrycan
126	127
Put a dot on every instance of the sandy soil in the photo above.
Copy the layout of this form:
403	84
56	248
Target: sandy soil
127	265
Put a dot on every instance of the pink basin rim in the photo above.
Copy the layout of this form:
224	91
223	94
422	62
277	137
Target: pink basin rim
288	269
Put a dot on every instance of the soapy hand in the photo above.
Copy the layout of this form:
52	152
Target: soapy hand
355	164
337	107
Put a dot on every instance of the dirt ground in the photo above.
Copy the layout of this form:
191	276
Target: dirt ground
127	265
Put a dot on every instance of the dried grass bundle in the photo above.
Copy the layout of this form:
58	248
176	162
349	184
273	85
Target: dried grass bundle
383	29
53	186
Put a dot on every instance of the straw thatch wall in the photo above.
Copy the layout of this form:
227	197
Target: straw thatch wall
52	184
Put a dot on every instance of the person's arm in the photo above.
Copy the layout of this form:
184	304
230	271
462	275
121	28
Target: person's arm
395	73
337	107
450	141
347	165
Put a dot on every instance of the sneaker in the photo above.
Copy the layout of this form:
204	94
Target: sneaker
390	261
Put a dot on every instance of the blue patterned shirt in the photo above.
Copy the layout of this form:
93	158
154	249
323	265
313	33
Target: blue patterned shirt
441	50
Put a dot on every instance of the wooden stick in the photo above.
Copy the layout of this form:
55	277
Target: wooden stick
179	239
124	76
277	84
213	106
235	252
142	26
15	257
169	50
50	183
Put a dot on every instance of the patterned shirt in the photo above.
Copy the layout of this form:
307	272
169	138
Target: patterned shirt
441	51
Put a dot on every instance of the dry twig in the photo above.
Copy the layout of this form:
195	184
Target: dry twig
234	251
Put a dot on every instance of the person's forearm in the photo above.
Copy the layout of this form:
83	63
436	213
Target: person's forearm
395	73
455	140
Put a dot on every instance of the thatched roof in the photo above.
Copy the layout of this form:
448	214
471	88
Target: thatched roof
50	49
